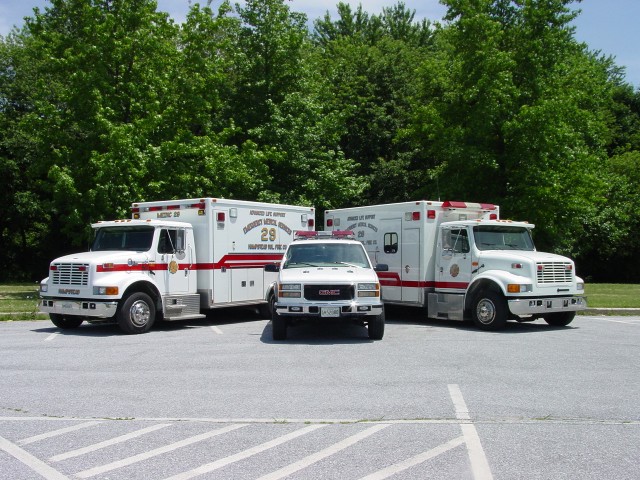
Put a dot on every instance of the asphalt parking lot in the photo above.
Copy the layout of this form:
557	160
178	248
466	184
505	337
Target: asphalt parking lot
220	399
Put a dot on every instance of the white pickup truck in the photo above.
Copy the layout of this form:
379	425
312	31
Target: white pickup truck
324	277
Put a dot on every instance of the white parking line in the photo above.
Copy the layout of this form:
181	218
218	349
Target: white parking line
615	321
52	336
322	454
107	443
55	433
223	462
479	463
155	452
217	330
38	466
417	460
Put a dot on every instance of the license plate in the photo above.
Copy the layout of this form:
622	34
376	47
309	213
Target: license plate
330	311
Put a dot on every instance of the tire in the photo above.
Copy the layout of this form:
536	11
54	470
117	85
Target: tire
278	327
489	311
560	319
266	310
376	327
136	313
65	322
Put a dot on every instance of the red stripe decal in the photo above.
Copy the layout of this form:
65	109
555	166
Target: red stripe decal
228	261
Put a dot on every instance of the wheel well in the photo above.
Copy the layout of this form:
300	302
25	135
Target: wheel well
149	289
481	285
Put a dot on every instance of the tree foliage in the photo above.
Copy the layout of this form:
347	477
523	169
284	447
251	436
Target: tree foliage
107	102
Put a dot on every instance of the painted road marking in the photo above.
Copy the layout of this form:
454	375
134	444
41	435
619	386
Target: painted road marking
479	463
157	451
52	336
417	460
107	443
223	462
322	454
38	466
217	330
55	433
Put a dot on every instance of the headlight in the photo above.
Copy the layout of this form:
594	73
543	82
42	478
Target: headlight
580	286
289	294
44	287
368	289
105	290
518	288
289	290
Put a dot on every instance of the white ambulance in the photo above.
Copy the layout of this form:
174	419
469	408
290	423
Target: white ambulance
173	260
460	261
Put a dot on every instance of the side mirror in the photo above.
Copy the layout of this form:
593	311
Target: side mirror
271	267
381	267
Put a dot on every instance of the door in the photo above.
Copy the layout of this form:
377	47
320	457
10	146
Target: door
454	259
410	272
389	253
176	255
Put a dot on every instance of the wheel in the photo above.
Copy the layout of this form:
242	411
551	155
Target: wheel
266	310
561	319
136	313
65	321
279	327
376	327
489	310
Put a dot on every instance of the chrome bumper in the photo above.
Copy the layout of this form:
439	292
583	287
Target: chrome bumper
539	306
80	308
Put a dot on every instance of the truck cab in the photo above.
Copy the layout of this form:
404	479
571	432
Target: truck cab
134	271
324	277
496	267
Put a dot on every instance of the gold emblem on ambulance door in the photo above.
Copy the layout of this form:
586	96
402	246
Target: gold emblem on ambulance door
173	266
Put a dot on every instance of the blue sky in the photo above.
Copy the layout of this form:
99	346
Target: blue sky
610	26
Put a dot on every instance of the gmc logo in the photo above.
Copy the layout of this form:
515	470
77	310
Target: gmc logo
68	291
328	292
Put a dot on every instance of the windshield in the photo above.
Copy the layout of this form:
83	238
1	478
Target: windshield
136	239
326	254
498	237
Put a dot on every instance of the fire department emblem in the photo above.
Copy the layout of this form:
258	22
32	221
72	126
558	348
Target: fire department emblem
173	266
454	270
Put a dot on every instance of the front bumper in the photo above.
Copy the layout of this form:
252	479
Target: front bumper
328	311
79	308
540	306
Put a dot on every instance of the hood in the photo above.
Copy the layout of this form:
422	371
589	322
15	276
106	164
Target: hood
96	258
327	275
520	255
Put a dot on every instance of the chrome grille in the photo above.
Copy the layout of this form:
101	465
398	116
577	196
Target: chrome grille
328	292
70	274
555	272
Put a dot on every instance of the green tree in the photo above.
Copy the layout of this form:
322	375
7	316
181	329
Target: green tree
514	112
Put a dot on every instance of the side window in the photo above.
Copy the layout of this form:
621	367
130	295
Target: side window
460	241
164	244
391	242
455	240
171	241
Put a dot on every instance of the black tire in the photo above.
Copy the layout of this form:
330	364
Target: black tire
489	311
266	309
278	327
376	327
560	319
65	322
136	313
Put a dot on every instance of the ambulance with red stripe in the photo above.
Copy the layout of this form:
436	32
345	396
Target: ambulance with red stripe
459	261
173	260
